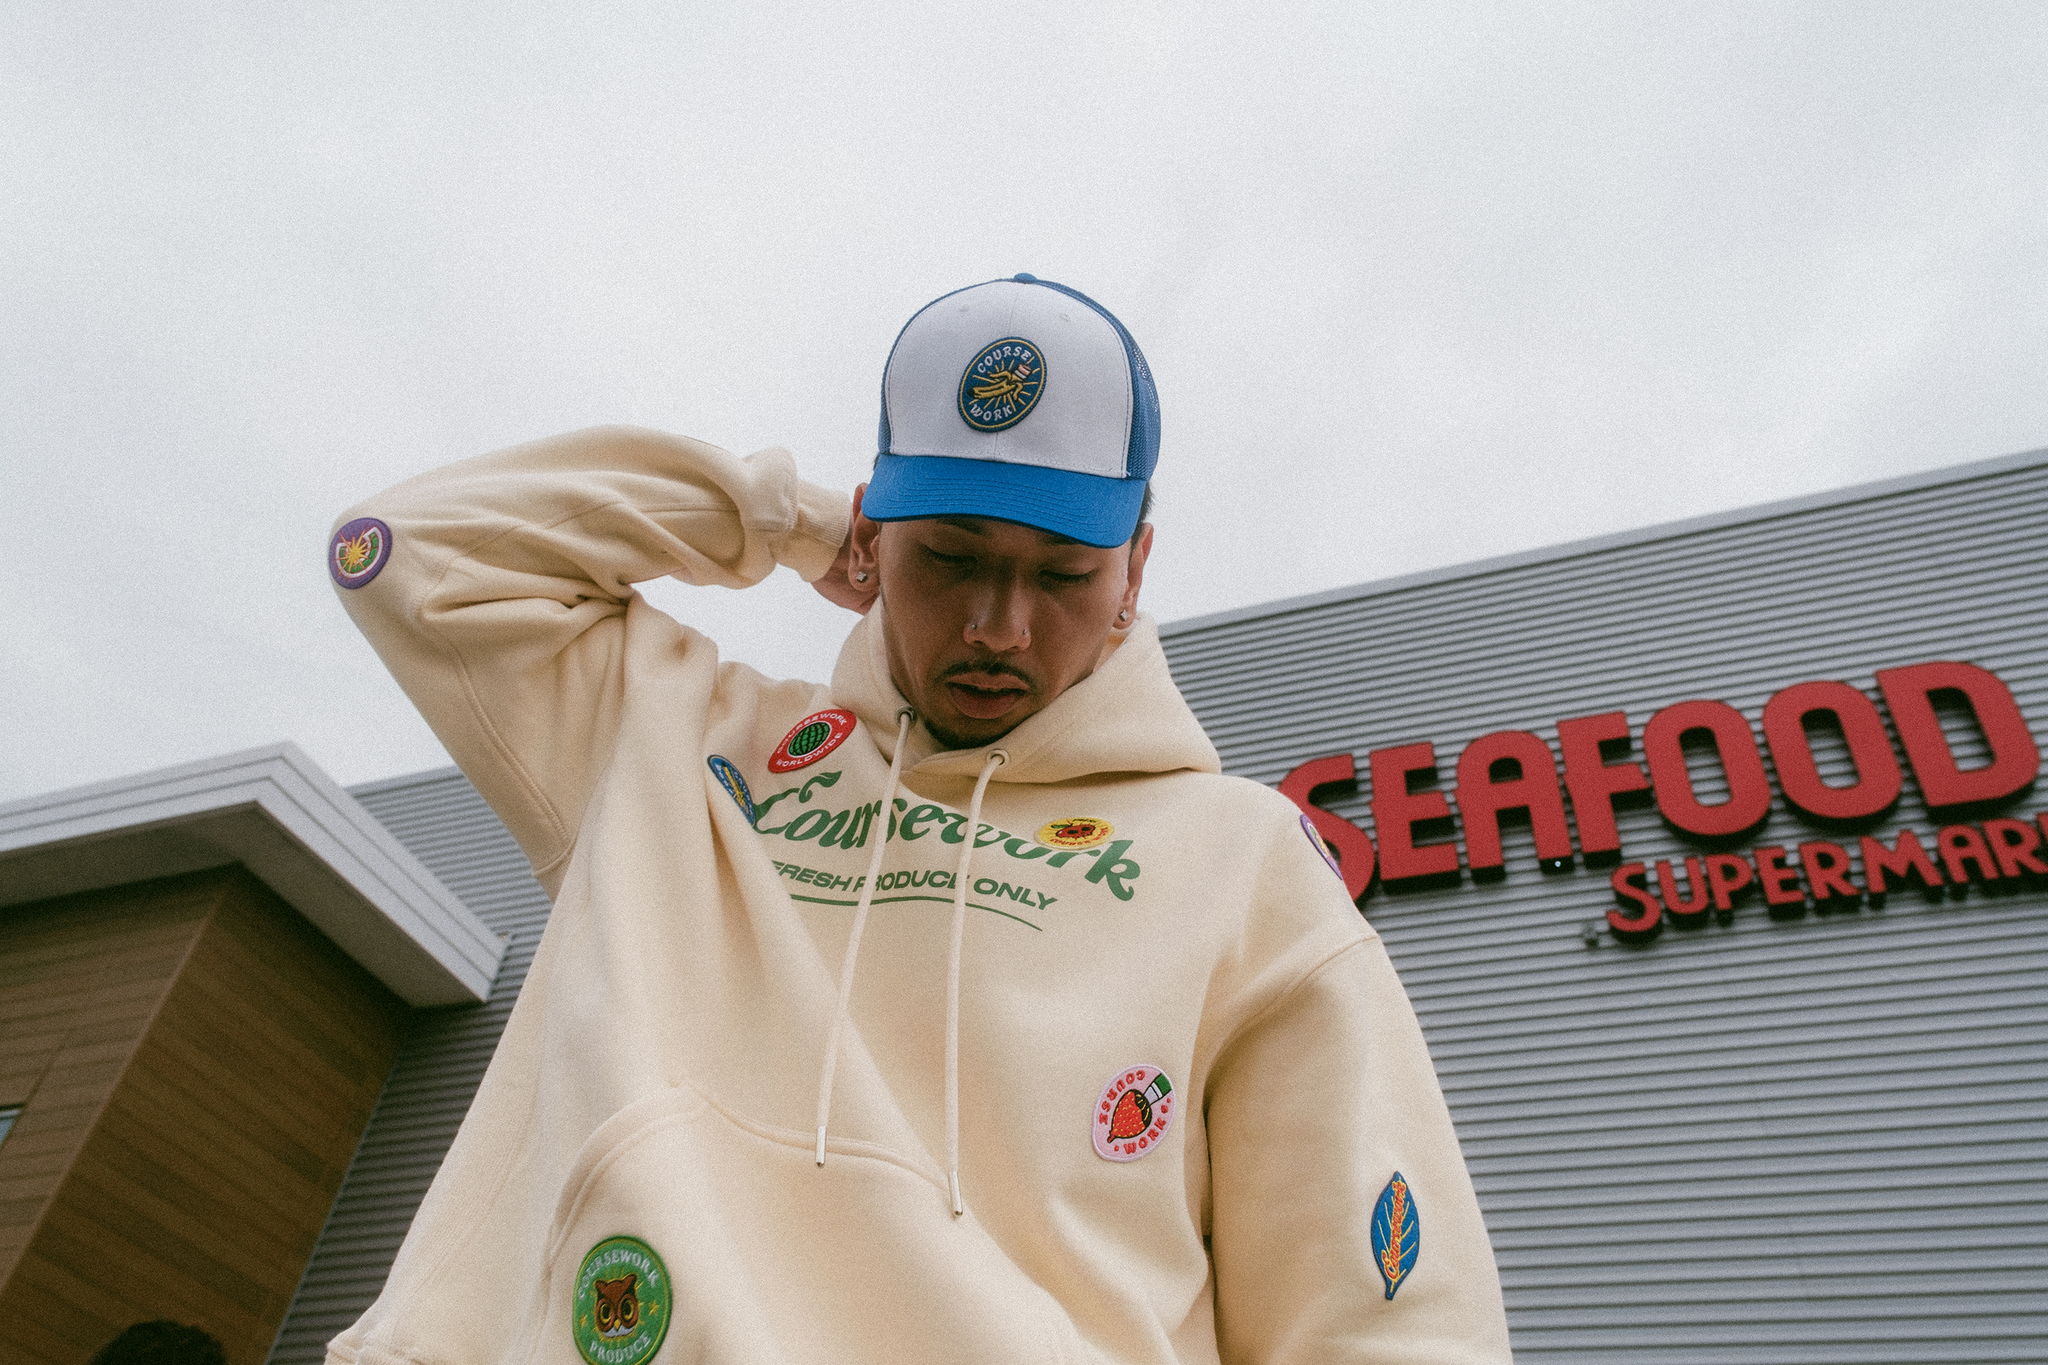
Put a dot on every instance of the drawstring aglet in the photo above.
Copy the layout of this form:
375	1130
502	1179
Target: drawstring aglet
821	1144
958	1207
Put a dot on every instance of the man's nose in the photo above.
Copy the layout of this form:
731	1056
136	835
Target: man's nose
1001	622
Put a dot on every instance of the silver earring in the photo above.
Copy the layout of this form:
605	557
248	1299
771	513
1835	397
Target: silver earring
1123	616
860	578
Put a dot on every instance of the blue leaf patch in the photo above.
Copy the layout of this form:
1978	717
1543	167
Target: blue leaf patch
735	786
1396	1233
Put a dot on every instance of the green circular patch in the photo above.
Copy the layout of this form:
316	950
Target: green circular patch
809	738
623	1302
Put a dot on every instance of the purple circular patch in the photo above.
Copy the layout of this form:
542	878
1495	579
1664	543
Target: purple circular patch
358	551
1315	837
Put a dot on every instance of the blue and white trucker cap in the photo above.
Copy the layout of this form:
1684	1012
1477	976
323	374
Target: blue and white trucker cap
1018	399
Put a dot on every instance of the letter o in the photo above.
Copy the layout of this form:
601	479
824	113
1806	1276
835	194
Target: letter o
1878	779
1749	789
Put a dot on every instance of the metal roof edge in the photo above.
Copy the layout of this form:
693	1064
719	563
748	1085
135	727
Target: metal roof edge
273	810
1711	521
379	785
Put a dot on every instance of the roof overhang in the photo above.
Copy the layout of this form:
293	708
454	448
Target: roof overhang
276	813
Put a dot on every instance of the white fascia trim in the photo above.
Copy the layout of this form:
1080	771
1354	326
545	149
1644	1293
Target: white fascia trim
274	811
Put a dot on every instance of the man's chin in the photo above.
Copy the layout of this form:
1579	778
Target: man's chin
984	732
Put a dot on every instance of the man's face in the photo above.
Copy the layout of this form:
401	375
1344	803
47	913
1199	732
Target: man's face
987	620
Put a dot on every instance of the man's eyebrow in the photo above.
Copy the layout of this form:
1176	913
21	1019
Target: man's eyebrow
978	526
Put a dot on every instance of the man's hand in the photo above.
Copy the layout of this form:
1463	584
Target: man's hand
837	585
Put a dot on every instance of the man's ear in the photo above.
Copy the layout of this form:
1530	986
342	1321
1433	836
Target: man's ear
1134	573
862	540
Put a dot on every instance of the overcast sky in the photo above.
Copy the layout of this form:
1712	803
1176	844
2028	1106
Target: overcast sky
1421	284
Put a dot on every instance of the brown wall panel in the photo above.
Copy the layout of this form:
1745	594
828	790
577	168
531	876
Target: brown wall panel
80	979
204	1183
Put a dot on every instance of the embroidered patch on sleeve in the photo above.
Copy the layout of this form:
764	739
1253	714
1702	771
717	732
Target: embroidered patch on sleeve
1396	1233
358	551
1133	1113
623	1303
1076	831
734	784
1315	837
811	739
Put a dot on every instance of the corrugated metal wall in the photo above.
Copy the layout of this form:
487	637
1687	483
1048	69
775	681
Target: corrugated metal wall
1821	1140
440	818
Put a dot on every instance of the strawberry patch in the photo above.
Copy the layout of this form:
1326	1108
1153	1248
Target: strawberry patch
1133	1114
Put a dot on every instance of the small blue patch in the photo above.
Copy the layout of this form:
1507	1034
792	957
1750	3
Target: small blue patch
735	785
1396	1233
1001	385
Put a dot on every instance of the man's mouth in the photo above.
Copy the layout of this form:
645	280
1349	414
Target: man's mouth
986	696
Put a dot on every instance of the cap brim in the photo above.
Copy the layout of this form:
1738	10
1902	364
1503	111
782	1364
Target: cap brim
1084	507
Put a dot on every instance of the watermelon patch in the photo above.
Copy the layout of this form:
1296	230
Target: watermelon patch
810	739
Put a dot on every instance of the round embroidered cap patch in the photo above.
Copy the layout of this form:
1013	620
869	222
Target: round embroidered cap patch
1077	831
1001	385
1133	1114
623	1300
358	551
812	738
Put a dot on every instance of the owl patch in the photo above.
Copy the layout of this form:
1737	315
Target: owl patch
623	1302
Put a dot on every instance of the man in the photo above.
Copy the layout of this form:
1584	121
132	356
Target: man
956	1011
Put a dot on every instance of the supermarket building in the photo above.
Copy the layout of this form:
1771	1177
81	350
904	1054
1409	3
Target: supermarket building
1711	855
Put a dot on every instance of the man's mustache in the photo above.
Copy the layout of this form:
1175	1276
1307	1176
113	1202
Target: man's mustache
991	667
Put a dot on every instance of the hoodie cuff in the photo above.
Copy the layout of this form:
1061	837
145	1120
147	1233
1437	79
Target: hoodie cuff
822	519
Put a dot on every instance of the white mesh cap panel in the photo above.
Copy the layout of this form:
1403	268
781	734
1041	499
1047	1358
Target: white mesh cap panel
1082	420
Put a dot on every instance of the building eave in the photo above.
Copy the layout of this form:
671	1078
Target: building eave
275	812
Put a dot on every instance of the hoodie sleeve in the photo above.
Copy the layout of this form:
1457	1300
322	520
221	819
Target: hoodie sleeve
1344	1226
500	601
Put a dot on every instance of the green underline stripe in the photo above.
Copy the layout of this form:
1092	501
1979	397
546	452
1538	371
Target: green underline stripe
942	900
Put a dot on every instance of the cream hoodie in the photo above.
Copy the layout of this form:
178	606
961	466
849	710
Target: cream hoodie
659	1078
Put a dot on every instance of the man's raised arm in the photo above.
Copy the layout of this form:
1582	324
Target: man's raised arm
496	590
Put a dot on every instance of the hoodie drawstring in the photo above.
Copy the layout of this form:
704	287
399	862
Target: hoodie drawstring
996	759
860	923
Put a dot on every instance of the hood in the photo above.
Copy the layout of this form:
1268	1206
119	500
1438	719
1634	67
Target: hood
1125	717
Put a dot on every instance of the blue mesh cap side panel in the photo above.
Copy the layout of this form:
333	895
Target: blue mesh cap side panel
1144	449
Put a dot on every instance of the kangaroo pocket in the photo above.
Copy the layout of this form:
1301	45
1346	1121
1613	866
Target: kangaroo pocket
771	1258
